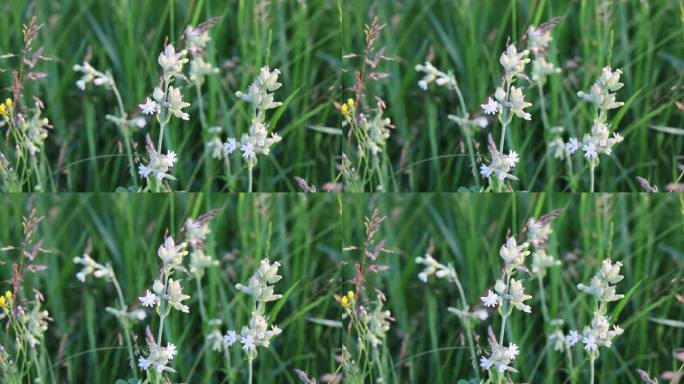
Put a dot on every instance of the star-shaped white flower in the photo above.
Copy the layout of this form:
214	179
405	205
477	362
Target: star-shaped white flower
590	343
491	107
170	351
143	363
247	151
231	145
230	338
150	107
143	170
590	151
485	363
512	351
490	300
572	338
485	170
248	343
572	146
149	300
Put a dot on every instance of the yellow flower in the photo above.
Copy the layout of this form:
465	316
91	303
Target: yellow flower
8	295
344	109
350	295
8	102
344	302
3	110
350	103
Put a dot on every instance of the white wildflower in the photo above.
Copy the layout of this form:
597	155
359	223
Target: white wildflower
491	107
150	107
176	296
572	145
491	300
172	62
572	338
230	338
149	300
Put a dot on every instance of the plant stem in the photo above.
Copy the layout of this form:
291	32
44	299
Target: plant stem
250	371
200	298
124	131
466	324
466	132
162	125
504	313
503	136
592	179
249	180
124	325
592	370
542	298
162	311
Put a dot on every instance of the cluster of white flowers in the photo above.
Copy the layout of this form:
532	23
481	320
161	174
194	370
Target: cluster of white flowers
500	358
376	322
197	40
508	293
514	293
375	131
513	254
257	333
538	40
215	338
170	100
501	165
538	232
34	129
602	285
166	101
432	74
90	74
166	293
91	266
34	323
257	140
508	101
196	232
600	141
158	357
159	165
599	333
513	101
433	267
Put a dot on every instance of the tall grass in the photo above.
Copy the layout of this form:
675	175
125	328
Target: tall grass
307	41
429	152
126	37
306	234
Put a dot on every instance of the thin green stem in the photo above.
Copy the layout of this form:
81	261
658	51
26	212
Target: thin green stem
592	370
249	179
466	324
124	324
591	189
503	136
250	370
124	131
200	298
162	310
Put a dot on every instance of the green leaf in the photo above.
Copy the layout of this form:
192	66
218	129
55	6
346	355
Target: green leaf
668	322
